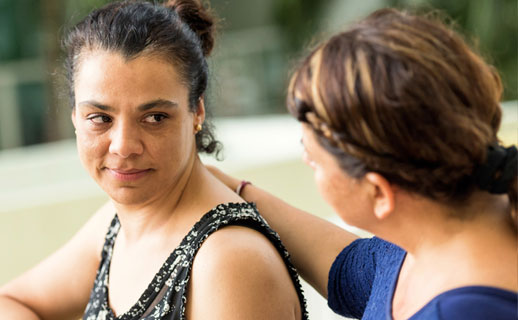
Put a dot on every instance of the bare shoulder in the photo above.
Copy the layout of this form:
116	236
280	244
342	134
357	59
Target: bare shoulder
235	246
248	274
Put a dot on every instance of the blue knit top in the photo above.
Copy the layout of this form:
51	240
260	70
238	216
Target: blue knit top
363	278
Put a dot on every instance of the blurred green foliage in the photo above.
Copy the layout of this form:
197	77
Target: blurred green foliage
492	22
298	20
30	32
491	26
19	34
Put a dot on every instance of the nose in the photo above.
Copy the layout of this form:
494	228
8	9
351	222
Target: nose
125	141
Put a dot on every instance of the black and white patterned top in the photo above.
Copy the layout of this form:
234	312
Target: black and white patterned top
165	297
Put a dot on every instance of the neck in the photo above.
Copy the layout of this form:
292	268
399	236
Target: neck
475	244
485	218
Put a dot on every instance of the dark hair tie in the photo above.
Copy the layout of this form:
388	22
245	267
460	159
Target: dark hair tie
499	171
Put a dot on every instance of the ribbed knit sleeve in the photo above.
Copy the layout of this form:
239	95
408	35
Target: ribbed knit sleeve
351	277
363	278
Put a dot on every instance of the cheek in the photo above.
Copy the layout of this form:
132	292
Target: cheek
174	147
326	183
307	160
89	147
339	192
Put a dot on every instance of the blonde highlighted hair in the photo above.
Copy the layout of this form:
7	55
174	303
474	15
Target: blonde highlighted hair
402	95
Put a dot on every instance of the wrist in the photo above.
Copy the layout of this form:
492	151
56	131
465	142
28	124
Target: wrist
241	187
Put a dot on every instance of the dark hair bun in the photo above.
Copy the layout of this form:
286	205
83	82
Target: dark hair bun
199	18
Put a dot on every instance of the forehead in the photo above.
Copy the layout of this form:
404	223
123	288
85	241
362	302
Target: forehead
109	75
309	139
312	144
307	131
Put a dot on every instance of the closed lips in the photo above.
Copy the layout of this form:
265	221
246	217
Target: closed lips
128	174
128	171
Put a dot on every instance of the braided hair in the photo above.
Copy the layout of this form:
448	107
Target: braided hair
404	96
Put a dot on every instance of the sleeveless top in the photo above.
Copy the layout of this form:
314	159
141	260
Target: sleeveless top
165	297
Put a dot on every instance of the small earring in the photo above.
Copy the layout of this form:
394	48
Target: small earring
198	128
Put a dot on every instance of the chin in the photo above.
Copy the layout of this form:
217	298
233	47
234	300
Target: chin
127	196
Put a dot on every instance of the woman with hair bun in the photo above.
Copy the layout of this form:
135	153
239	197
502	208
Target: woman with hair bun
174	242
400	120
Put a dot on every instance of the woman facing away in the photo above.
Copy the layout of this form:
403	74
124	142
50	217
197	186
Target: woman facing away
138	75
400	120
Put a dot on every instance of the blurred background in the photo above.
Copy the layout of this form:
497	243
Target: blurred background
44	192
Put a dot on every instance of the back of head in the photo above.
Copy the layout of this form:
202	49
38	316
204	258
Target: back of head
179	31
404	96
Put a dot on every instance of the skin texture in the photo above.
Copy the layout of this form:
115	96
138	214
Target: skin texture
477	250
136	138
336	188
134	117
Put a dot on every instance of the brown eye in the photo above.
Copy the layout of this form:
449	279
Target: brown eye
100	119
155	118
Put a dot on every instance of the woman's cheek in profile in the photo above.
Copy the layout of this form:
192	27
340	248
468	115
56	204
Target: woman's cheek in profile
91	148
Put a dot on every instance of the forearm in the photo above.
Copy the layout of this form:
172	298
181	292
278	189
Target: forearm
312	242
11	309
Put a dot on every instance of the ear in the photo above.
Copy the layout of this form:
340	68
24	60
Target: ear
382	194
199	115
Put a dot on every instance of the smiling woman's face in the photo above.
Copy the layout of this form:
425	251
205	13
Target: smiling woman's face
135	133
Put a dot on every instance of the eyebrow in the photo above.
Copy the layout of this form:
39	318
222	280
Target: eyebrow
95	104
157	103
143	107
